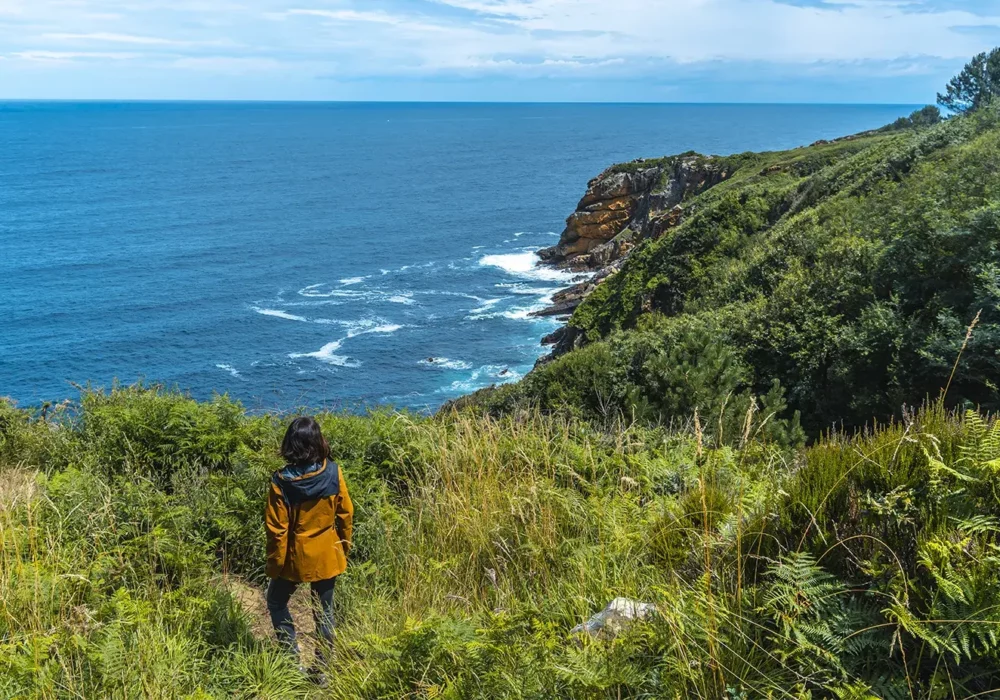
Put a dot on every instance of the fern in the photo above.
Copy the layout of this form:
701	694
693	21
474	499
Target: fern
806	604
977	524
981	451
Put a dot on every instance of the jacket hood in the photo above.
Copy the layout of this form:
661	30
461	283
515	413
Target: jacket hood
308	482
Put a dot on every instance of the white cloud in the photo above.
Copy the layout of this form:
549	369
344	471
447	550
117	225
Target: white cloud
351	16
64	56
764	30
578	39
407	24
227	64
113	38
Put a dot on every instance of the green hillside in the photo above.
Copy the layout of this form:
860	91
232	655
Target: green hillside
769	426
843	273
131	554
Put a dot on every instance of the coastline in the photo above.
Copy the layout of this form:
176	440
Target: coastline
623	206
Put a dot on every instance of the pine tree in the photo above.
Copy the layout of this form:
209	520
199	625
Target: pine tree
976	85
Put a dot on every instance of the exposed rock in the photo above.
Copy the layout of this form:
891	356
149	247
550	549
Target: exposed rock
564	308
565	301
619	614
623	206
554	337
570	340
627	204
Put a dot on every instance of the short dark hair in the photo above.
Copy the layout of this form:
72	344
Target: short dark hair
304	442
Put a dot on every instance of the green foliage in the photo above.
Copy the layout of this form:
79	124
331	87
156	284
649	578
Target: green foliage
859	567
847	271
664	372
975	86
156	434
925	116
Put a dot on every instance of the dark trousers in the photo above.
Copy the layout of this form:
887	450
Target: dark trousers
278	593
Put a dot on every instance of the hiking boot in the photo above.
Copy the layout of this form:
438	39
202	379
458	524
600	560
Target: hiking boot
317	676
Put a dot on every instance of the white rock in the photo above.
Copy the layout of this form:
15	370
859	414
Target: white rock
618	614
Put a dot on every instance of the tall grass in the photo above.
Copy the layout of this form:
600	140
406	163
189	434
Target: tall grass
863	566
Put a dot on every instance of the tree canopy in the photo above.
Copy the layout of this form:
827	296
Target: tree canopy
977	84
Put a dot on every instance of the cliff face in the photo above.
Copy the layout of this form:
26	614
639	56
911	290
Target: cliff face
623	206
627	204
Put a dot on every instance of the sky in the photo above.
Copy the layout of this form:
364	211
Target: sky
862	51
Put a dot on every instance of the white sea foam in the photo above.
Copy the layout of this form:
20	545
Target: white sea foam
354	329
514	313
520	288
316	302
525	264
486	306
484	376
317	291
445	363
232	370
322	293
463	295
520	313
326	354
280	314
370	325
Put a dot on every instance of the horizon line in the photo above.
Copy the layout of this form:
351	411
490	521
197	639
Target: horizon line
113	100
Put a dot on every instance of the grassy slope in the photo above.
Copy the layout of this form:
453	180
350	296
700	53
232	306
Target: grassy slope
131	542
863	567
847	271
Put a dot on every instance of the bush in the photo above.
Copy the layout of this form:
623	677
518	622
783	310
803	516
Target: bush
825	570
848	272
925	116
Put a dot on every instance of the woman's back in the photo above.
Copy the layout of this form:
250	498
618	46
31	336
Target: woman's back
309	518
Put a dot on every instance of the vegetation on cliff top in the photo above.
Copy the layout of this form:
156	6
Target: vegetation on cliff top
975	86
840	275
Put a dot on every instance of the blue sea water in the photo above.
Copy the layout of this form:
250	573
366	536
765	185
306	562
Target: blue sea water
321	255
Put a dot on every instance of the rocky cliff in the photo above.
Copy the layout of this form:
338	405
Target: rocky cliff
628	203
623	206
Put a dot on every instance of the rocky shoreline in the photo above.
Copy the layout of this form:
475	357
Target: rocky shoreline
625	205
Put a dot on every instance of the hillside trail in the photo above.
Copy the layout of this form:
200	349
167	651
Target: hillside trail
251	600
18	487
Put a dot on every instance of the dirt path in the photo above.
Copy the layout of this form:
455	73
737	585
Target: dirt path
251	599
17	488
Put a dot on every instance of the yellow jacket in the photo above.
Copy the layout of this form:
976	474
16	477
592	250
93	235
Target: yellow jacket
309	520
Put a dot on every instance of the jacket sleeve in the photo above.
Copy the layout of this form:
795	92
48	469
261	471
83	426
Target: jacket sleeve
345	516
276	521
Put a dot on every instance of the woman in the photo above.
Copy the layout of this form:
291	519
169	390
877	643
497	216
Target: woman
309	521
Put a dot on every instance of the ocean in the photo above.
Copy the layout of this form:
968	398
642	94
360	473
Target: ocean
320	255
